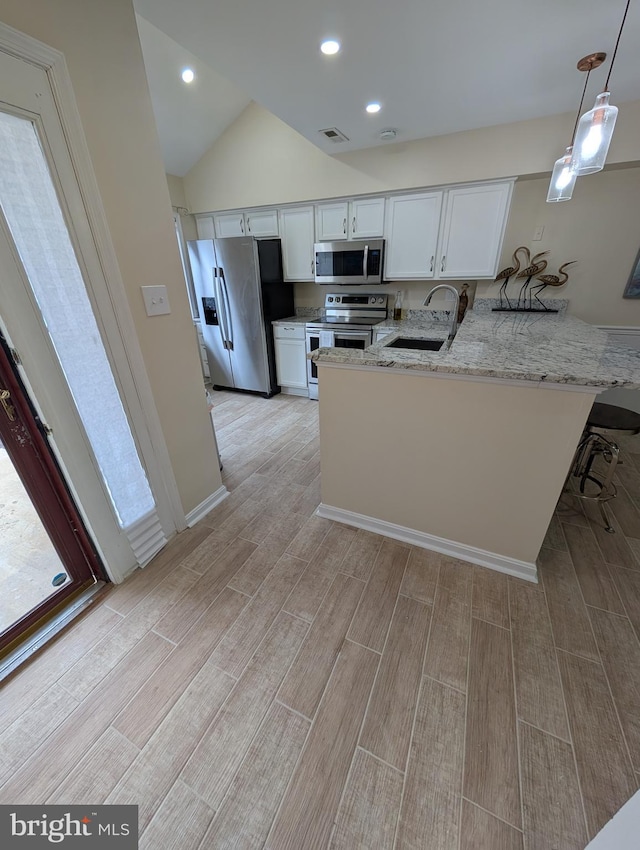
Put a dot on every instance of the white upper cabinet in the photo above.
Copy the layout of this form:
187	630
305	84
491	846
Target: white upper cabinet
366	218
204	227
229	224
411	231
297	234
359	219
259	223
331	221
472	231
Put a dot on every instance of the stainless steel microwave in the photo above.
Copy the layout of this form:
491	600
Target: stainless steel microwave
349	262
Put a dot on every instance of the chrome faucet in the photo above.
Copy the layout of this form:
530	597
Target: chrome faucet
454	313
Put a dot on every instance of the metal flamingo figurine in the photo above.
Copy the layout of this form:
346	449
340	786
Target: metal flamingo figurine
551	280
506	274
537	265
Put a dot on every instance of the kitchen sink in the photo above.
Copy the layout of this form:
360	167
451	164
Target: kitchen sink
416	343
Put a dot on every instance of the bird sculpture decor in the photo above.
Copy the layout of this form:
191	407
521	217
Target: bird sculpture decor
550	280
506	274
537	265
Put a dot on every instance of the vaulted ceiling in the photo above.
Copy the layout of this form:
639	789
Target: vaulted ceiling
436	66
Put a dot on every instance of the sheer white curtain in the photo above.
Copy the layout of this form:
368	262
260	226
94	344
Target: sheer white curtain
35	219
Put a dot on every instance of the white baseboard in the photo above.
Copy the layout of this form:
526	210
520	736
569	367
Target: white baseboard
295	391
492	560
205	507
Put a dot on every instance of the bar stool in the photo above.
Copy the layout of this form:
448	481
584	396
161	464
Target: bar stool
606	422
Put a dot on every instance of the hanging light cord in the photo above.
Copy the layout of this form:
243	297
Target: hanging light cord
613	58
575	126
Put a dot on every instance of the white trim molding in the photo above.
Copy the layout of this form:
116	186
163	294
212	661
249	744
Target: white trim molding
623	334
492	560
111	305
206	506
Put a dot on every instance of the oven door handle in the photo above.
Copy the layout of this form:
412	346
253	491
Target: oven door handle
365	262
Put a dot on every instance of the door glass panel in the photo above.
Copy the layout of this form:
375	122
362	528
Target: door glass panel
35	219
28	562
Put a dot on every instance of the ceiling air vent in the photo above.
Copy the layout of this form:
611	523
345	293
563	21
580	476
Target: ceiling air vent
334	135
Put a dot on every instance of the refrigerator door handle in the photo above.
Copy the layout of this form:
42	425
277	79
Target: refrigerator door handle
227	312
219	308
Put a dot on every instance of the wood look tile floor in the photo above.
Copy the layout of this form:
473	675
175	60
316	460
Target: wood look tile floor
276	680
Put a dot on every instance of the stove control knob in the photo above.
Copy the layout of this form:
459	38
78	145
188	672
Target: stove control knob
329	299
337	299
381	300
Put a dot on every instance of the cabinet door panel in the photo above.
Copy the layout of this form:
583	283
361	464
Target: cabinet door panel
411	231
204	227
331	221
367	218
473	231
291	363
229	224
262	223
297	232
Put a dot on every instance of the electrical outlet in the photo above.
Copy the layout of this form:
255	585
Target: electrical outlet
537	233
156	300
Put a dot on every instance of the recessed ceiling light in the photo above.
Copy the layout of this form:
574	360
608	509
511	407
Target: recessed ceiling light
330	47
188	76
373	107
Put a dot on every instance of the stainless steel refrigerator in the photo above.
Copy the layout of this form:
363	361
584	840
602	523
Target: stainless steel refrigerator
240	291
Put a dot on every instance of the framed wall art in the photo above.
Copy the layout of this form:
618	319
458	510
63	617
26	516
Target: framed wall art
632	289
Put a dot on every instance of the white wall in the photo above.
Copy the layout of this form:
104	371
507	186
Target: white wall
259	160
102	50
621	833
176	191
598	227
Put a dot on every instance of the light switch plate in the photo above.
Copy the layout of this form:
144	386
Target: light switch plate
156	300
537	233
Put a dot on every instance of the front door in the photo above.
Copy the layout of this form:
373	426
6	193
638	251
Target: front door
45	554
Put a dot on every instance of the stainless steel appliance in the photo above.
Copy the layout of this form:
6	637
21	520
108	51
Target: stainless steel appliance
349	262
347	321
239	286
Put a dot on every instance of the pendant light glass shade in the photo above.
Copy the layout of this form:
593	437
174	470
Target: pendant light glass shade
593	136
563	179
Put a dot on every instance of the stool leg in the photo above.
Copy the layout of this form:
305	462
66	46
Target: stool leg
607	523
607	485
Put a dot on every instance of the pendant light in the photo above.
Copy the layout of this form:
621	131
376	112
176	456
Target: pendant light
563	177
595	129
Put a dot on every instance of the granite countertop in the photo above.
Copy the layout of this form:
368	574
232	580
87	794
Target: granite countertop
554	348
292	320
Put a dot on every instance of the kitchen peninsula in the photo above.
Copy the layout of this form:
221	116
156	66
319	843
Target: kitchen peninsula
465	450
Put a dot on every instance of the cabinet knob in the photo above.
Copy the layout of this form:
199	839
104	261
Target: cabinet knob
432	259
248	224
344	225
444	259
353	224
241	225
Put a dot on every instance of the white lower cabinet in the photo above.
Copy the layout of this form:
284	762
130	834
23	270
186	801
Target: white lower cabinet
297	233
291	358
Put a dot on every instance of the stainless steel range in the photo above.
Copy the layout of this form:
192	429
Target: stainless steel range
347	321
